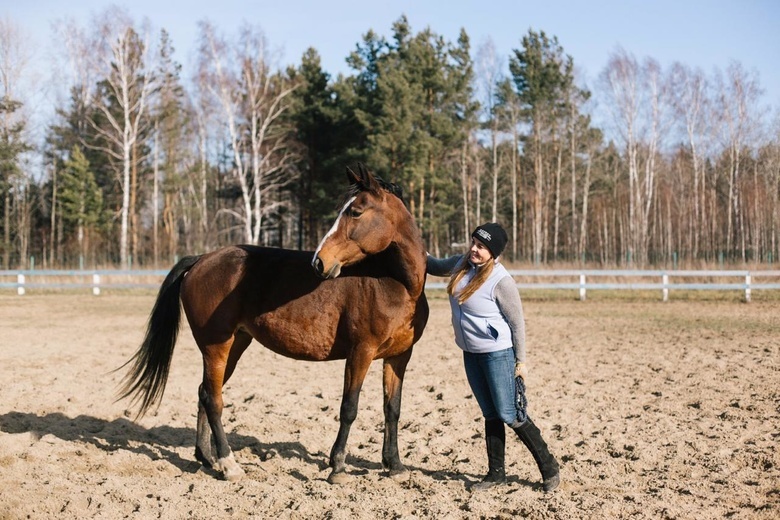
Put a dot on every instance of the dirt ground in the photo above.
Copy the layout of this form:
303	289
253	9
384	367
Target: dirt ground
655	410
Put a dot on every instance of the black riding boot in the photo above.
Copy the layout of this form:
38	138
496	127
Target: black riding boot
495	439
548	466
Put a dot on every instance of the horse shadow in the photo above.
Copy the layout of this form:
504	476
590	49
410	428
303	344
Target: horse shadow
160	442
156	443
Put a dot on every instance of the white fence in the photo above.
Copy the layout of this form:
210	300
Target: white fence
663	281
558	279
94	280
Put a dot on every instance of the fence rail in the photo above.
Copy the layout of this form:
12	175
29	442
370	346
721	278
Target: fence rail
557	279
583	280
95	280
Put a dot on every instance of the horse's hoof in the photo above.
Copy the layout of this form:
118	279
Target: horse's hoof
400	475
338	478
229	468
233	474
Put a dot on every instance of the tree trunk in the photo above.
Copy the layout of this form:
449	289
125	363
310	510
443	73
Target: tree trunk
584	218
557	218
7	231
464	190
156	197
53	219
133	205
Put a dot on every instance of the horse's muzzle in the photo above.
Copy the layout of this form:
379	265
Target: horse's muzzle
319	268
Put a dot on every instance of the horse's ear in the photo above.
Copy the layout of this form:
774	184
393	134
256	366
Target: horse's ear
367	179
352	176
363	178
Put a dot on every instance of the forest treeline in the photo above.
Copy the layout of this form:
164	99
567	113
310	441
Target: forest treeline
648	166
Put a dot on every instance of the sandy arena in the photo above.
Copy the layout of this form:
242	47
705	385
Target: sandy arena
655	410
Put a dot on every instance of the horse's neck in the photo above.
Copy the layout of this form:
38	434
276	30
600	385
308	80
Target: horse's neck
410	260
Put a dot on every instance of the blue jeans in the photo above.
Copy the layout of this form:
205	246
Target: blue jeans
492	379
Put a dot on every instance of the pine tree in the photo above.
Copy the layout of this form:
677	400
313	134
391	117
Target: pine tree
12	146
326	129
171	141
541	73
414	101
80	198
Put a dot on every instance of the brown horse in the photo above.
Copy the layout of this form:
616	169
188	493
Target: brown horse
358	297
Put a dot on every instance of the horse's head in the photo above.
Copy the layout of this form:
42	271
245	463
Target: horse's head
366	224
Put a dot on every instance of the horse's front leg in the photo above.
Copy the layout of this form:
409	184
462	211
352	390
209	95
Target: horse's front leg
393	380
355	371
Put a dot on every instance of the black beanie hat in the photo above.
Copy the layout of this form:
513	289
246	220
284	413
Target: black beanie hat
493	236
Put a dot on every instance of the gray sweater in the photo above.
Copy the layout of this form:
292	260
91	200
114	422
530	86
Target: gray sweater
507	300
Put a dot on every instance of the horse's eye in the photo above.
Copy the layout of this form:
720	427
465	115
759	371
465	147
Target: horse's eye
354	212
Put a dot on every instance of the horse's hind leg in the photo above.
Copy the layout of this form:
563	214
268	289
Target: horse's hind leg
392	380
219	362
203	447
355	371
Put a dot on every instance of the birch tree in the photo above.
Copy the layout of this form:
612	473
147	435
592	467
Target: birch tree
121	56
621	79
637	99
738	114
489	75
509	113
205	116
253	99
71	68
693	107
771	166
14	142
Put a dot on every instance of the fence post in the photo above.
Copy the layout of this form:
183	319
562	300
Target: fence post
96	284
20	281
666	287
747	288
582	287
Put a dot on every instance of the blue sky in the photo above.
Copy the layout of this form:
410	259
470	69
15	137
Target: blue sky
698	33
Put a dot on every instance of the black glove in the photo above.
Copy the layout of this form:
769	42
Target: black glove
521	403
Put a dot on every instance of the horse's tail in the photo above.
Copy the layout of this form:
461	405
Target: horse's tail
145	382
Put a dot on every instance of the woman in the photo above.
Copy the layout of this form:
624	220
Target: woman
487	317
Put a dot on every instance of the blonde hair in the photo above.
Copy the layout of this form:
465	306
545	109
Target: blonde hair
483	272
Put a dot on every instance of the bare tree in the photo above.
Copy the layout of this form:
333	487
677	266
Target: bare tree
738	113
14	142
636	95
690	98
121	56
620	82
581	140
489	74
771	166
591	143
509	114
69	67
657	124
252	98
199	181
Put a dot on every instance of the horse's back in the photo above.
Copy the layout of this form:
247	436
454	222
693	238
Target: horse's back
219	286
277	297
